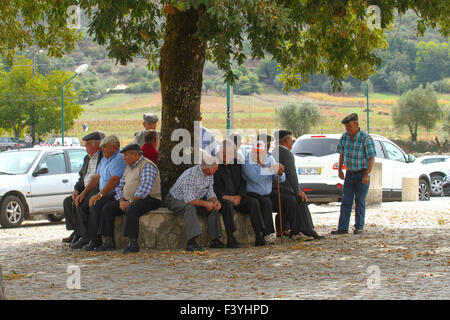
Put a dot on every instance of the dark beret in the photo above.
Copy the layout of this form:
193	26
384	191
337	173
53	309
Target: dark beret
96	135
350	117
150	117
131	147
280	134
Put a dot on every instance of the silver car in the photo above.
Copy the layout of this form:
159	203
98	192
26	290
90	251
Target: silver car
8	143
35	181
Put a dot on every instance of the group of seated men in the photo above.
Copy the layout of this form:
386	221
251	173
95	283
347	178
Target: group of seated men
116	181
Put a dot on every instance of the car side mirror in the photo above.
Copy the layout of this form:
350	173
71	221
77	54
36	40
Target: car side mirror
40	171
411	158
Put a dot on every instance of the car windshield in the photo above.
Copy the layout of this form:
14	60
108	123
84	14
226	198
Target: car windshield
17	162
317	147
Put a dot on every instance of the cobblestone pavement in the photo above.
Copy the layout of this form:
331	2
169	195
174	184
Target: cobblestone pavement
404	254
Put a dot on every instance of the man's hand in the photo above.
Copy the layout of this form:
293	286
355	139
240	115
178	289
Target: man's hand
217	205
365	178
278	167
341	174
236	200
124	204
94	199
303	195
209	205
79	198
74	194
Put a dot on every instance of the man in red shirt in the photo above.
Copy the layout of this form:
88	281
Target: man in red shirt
150	147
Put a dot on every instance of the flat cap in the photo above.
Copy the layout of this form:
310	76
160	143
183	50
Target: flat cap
131	147
280	134
150	117
350	117
96	135
109	139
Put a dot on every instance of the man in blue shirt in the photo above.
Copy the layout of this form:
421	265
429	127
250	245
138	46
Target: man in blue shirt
357	152
109	172
259	171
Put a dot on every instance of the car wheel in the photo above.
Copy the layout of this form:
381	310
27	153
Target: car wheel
12	212
55	217
8	148
424	190
436	185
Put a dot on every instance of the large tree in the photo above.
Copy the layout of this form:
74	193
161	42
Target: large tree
303	36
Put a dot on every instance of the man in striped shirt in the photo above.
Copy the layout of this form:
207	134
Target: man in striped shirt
137	193
357	152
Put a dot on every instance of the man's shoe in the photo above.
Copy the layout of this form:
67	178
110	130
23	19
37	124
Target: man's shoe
339	231
192	245
259	241
358	231
315	235
233	243
74	240
80	243
132	246
216	243
107	245
69	239
92	245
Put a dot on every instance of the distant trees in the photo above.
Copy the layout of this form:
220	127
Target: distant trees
29	99
298	118
416	108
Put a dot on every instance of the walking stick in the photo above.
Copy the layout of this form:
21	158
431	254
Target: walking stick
279	208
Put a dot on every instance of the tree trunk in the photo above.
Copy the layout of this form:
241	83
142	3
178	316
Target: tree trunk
181	75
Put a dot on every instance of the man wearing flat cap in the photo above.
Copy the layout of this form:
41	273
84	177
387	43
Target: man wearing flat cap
357	151
138	192
150	121
109	172
90	163
293	200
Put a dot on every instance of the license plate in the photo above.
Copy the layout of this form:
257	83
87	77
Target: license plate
309	171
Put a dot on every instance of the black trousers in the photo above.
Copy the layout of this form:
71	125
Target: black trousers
297	217
288	212
69	213
248	206
303	217
88	217
265	205
133	212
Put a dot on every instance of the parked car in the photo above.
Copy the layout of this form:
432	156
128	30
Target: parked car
446	186
317	164
35	181
438	168
8	143
68	142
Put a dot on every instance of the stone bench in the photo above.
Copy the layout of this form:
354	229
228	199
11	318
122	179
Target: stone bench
162	229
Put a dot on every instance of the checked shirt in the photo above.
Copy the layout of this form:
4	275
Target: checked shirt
358	152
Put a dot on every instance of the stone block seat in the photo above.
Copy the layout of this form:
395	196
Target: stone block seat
162	229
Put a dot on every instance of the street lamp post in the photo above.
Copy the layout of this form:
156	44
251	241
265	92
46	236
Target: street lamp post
79	70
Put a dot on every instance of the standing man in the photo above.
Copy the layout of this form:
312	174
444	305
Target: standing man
90	163
231	190
109	172
151	145
150	122
357	152
193	193
300	220
138	192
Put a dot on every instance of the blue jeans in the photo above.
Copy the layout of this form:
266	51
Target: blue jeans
353	188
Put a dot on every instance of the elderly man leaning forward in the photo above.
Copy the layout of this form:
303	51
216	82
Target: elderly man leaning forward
138	192
90	163
300	219
231	190
357	152
193	193
149	123
109	172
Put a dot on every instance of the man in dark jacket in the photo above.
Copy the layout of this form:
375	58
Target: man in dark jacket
231	190
90	163
302	220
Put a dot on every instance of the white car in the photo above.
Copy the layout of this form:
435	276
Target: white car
438	168
317	164
68	142
35	181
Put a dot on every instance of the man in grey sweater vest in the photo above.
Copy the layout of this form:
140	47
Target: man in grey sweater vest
138	192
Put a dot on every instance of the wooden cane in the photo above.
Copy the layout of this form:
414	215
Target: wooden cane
279	208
